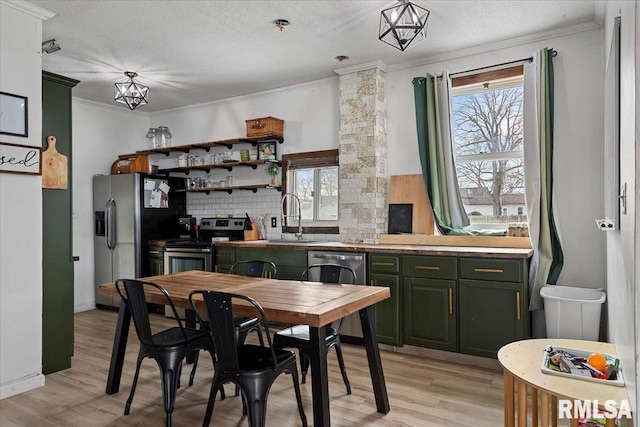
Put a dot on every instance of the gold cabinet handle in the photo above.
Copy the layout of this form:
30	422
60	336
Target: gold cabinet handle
372	282
488	270
517	305
154	252
450	301
384	264
223	256
427	267
215	269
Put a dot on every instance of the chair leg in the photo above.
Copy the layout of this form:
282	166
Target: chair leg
304	365
296	387
215	385
127	406
170	372
342	368
193	370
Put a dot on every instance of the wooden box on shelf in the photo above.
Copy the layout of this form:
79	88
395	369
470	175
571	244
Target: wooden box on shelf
130	163
265	126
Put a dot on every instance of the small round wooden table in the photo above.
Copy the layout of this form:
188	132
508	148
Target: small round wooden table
522	362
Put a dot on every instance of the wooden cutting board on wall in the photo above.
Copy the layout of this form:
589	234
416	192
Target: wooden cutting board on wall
54	167
411	189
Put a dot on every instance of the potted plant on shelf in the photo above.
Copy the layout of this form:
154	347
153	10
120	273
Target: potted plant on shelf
273	170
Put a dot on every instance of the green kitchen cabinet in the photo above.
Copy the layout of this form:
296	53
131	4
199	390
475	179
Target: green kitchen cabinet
289	262
57	236
429	301
384	270
156	260
494	307
430	318
225	257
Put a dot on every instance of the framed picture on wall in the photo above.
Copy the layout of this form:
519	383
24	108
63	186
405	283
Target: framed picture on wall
266	151
13	114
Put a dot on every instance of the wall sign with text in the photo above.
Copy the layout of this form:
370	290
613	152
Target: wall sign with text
15	158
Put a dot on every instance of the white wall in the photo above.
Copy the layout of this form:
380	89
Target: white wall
623	244
21	210
100	133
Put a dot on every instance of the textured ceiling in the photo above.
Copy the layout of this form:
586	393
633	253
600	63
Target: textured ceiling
191	52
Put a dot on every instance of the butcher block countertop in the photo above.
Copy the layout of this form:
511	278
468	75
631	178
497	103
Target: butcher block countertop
461	251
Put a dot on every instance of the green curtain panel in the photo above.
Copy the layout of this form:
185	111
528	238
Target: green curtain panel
548	258
435	146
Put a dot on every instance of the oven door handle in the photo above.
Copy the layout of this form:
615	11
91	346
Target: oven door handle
338	257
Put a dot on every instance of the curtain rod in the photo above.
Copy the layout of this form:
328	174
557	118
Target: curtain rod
529	59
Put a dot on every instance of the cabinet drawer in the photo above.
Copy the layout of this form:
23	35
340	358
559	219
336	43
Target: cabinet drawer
389	264
429	266
500	270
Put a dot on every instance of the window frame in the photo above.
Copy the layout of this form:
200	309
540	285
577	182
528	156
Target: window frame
312	159
475	82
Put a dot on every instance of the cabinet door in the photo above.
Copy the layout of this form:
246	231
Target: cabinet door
429	313
290	263
225	257
387	312
492	314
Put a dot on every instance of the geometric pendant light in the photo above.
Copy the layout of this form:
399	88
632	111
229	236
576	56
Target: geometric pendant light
130	92
403	24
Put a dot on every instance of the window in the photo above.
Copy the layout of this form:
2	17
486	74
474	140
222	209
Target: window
313	177
487	131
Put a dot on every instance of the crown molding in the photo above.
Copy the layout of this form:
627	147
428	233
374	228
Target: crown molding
311	84
29	9
380	65
516	41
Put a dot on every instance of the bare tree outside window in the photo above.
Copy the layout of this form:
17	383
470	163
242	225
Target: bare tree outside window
488	139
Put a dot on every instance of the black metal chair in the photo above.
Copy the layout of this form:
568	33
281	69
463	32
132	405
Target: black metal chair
255	268
244	325
167	347
252	368
298	336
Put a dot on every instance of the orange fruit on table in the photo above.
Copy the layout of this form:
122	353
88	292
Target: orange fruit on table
598	361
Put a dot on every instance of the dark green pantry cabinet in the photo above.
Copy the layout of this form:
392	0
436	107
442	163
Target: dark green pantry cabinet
225	257
384	270
57	255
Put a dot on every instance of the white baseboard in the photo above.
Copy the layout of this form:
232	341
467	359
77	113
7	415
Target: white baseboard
21	385
84	307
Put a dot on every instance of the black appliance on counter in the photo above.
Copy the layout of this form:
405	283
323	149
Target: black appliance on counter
129	210
199	253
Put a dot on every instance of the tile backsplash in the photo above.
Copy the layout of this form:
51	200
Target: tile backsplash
241	202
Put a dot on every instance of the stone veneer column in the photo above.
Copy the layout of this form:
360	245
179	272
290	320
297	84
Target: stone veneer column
363	153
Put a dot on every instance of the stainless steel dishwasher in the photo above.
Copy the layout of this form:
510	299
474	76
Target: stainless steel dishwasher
351	329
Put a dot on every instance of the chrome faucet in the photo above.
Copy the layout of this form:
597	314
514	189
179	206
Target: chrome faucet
285	196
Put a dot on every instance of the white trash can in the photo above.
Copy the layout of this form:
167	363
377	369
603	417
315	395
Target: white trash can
572	313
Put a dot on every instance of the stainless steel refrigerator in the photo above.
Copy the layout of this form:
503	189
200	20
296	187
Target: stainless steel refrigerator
129	210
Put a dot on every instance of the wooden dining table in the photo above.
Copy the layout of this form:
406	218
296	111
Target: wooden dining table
287	301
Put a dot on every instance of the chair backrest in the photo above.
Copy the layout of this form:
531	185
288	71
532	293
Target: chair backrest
329	273
254	268
132	293
219	309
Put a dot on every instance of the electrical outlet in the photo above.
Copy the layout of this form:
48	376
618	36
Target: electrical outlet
274	222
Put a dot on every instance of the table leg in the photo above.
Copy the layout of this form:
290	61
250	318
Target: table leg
119	348
373	356
574	422
319	377
544	403
554	411
534	406
522	404
509	404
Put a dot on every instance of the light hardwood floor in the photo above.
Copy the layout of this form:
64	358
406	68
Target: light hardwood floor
422	391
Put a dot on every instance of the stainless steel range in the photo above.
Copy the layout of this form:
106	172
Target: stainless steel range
199	253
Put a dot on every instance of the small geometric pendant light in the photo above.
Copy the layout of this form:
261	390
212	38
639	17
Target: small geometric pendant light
131	93
403	24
